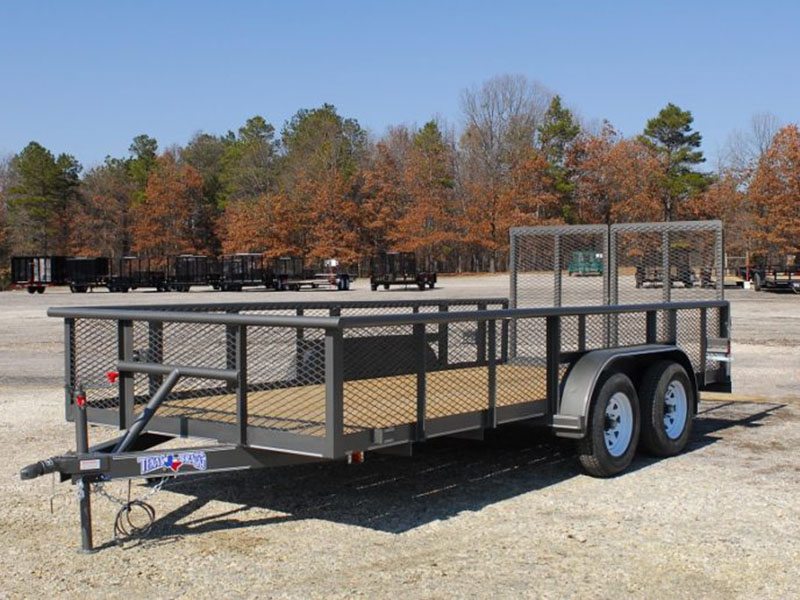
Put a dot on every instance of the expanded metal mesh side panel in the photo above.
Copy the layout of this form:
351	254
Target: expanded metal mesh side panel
712	331
524	377
570	334
597	331
286	379
451	391
533	257
637	264
583	266
465	342
95	354
662	262
202	399
380	381
688	334
193	344
693	256
631	328
559	266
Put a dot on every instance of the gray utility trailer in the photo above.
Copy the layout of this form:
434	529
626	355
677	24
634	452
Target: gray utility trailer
275	384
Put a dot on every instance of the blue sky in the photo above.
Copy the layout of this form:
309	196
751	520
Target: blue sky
86	77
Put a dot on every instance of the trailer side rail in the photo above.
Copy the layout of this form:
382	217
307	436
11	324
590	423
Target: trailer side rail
327	379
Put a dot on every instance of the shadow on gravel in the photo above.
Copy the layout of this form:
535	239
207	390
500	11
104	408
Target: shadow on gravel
393	494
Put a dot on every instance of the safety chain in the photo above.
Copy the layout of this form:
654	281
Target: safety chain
124	527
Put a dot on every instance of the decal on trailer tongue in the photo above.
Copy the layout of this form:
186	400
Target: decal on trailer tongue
172	462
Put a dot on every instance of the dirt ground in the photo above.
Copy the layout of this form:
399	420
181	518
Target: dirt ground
512	516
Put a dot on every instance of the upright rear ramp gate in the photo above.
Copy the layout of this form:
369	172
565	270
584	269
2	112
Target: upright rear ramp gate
624	263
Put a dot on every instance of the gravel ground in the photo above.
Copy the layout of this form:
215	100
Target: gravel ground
512	516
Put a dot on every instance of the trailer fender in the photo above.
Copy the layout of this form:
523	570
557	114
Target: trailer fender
582	378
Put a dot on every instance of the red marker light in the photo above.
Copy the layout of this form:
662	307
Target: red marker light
80	400
355	458
112	376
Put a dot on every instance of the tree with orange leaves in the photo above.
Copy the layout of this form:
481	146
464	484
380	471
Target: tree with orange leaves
617	180
725	199
173	218
526	196
384	198
775	197
426	226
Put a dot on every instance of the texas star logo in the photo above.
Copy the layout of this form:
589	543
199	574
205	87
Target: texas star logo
172	462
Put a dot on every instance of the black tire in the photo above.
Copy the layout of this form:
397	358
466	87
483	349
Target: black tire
421	286
374	287
666	435
431	284
31	290
593	450
40	290
386	286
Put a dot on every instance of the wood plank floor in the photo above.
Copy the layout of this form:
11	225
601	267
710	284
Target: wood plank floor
370	403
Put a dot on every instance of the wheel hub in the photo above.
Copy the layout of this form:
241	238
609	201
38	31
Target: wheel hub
618	424
675	409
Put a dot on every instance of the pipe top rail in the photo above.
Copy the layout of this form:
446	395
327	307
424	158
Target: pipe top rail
372	320
302	304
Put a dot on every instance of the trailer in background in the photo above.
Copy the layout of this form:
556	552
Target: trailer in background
290	273
187	270
35	273
398	268
785	277
86	273
135	272
585	262
242	270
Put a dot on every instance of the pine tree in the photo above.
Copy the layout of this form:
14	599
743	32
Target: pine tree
670	135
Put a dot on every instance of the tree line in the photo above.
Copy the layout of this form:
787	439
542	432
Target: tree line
323	187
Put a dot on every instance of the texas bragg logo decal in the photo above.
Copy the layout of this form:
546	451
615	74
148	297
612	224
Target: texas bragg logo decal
172	462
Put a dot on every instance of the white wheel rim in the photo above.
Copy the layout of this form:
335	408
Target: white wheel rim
619	424
675	409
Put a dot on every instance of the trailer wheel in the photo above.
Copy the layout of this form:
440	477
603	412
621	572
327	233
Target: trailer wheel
667	409
421	286
31	289
613	432
386	286
40	290
374	287
431	284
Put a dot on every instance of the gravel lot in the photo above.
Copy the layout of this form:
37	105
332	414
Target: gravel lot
509	517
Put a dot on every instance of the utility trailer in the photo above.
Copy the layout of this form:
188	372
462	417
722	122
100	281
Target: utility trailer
290	273
333	381
135	272
35	273
241	270
86	273
187	270
398	268
776	277
585	262
272	384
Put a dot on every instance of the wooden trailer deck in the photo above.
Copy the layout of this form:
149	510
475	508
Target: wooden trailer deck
370	403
